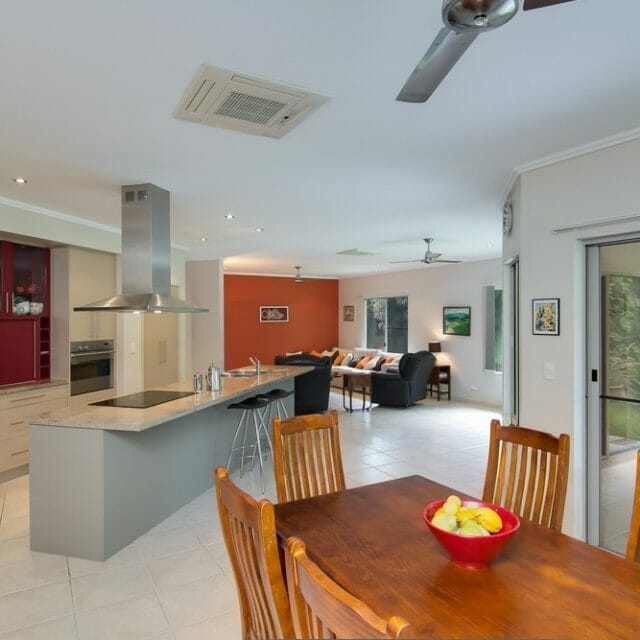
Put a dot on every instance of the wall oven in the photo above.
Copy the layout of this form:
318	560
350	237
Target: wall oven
91	366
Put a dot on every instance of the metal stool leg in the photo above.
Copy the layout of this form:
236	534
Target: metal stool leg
256	426
235	438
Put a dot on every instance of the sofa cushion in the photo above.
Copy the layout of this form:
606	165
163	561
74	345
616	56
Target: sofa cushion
338	360
374	363
362	363
360	352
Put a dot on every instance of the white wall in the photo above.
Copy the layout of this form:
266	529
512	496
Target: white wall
429	289
599	185
205	288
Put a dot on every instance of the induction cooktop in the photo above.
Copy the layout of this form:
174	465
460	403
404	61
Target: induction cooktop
143	399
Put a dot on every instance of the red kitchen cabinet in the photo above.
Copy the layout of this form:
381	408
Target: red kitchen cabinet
18	346
24	313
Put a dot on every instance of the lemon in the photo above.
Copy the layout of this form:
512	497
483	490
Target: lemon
489	519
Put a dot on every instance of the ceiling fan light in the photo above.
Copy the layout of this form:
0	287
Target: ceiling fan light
481	20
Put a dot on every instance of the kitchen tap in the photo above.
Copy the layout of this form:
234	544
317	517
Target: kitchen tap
256	363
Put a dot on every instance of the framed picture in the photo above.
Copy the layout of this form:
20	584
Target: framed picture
456	321
274	314
348	313
546	316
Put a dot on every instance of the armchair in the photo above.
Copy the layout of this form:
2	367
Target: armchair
312	388
408	385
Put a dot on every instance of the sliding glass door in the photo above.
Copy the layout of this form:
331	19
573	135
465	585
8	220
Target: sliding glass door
614	389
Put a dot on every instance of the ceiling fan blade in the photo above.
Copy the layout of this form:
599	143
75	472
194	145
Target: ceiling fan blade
444	52
540	4
449	261
401	261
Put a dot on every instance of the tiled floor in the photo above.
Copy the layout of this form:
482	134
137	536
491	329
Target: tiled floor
174	583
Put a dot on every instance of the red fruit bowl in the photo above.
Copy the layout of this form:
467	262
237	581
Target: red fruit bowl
473	552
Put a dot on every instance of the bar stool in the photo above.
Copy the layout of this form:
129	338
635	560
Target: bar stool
276	397
252	408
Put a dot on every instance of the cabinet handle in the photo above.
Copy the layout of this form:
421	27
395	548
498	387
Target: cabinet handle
42	395
19	453
13	424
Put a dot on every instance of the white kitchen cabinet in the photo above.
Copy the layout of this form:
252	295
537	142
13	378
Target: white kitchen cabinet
92	276
16	408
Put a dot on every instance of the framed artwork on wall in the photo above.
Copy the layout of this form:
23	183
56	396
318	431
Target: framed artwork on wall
274	314
546	316
348	313
456	321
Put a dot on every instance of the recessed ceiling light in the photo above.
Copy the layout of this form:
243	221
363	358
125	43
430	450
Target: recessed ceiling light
229	216
20	180
203	239
259	229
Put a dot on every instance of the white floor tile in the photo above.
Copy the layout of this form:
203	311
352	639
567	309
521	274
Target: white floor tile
33	606
14	550
182	568
111	586
60	629
197	601
36	570
223	627
79	567
167	543
133	619
14	527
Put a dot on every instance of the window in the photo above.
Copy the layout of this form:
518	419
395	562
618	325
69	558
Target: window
387	321
493	355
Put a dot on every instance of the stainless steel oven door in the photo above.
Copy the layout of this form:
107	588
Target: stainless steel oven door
91	371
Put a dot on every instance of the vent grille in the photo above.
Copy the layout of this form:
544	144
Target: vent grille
250	108
223	98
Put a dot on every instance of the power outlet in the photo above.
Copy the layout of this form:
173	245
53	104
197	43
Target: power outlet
474	387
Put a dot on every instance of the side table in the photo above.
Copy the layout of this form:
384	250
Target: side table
440	375
357	380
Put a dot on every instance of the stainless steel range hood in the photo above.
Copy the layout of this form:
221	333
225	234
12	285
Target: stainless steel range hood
146	256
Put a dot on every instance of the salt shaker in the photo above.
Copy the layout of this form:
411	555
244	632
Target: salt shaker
197	382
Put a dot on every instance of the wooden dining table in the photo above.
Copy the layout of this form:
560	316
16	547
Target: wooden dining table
372	540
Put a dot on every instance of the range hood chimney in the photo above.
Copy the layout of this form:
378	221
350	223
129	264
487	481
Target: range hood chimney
146	256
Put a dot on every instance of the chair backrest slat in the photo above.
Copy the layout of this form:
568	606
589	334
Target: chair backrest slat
322	609
527	472
633	541
307	459
250	537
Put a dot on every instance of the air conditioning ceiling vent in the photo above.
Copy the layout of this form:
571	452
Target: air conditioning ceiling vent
223	98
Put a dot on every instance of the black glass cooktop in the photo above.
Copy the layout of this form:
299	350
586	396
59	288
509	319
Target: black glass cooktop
144	399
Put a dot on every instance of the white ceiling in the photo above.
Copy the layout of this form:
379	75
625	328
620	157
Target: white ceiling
89	88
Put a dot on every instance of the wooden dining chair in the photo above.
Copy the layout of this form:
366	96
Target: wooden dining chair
527	473
250	536
323	609
307	460
633	541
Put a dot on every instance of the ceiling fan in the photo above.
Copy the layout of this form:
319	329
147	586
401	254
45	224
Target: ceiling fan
298	277
429	257
464	21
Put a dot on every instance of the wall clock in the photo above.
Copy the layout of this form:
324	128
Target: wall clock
507	219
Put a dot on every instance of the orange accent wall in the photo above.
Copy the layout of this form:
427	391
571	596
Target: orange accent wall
313	317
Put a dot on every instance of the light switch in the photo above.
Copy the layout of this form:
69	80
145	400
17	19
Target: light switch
132	348
549	370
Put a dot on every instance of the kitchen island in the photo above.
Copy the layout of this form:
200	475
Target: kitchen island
102	476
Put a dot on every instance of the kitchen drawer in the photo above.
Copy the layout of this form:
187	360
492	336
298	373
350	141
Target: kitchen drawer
14	422
14	452
35	396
